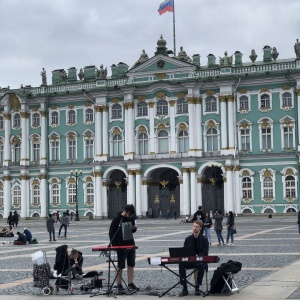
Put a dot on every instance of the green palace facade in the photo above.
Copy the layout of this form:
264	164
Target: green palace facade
170	132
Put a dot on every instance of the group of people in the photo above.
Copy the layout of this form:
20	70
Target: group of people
64	223
13	219
23	238
218	225
7	232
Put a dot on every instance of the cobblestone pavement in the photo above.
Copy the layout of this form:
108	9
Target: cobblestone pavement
262	245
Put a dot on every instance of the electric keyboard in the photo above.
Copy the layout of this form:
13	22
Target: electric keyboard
177	260
113	248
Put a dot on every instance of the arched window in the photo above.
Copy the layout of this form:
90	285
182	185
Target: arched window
247	188
116	111
71	116
36	119
36	195
290	187
16	196
1	122
36	150
54	149
17	120
89	115
142	109
265	101
72	193
90	192
286	99
244	103
89	148
117	145
268	187
162	108
54	118
17	152
211	104
163	142
182	106
55	195
143	144
183	141
212	139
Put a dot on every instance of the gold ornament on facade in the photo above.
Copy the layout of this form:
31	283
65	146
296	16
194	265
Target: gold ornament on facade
15	140
265	123
151	104
229	168
237	168
116	131
97	174
43	113
24	177
264	90
164	183
142	129
6	178
286	87
130	172
193	170
115	100
71	136
244	125
182	127
160	76
222	98
181	95
161	126
191	100
243	91
185	170
156	199
246	200
89	204
288	122
89	179
210	93
138	172
35	182
172	103
289	172
267	173
144	182
54	180
35	109
53	107
245	173
172	199
24	114
160	95
54	137
105	108
268	200
230	98
1	184
98	108
198	100
141	98
211	124
290	200
87	104
54	204
43	176
7	116
212	181
118	184
71	180
14	101
298	92
224	179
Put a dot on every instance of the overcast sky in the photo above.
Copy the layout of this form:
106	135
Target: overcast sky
59	34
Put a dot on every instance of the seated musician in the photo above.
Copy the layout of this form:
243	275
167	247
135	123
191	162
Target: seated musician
200	243
116	239
76	261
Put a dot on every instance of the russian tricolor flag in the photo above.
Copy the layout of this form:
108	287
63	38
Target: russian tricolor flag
167	5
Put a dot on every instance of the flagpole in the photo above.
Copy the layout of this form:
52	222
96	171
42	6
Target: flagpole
174	39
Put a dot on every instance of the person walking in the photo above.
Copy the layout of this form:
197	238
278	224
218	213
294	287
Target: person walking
230	226
175	214
218	217
298	221
207	222
57	217
64	223
50	227
16	218
10	220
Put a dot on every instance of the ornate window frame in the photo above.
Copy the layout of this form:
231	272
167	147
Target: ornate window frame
71	191
14	141
247	173
208	125
114	132
183	102
145	107
16	121
88	117
285	173
89	197
265	123
71	142
71	116
182	127
262	106
119	114
1	122
54	124
141	129
283	106
207	112
53	182
1	194
35	119
244	124
162	107
35	187
243	93
16	194
88	136
35	139
287	122
270	174
54	137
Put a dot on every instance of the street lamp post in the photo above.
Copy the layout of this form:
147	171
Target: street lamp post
76	173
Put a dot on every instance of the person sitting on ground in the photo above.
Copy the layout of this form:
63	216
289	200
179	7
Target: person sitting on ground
3	232
28	235
201	246
76	261
10	232
21	240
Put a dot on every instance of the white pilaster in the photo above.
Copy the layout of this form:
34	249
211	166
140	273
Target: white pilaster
193	189
98	133
230	191
181	197
151	125
231	130
172	126
238	195
98	194
186	192
6	194
126	129
44	138
138	197
25	199
198	126
192	139
131	188
298	112
144	197
224	144
43	193
103	191
105	134
7	132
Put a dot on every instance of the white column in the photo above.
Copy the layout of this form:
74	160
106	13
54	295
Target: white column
198	126
231	130
192	128
151	125
6	195
193	189
298	115
130	131
98	133
224	144
186	192
144	199
105	132
225	193
7	132
131	188
172	127
44	138
25	199
43	193
181	213
25	138
230	191
138	190
98	212
199	191
126	129
238	195
104	198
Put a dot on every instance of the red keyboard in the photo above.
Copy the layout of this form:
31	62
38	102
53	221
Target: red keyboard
113	248
176	260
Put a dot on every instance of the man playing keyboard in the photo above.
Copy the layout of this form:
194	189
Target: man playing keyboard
201	246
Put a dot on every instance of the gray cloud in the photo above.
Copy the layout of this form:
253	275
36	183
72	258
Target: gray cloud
73	33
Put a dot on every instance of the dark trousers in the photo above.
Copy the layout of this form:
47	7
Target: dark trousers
61	226
52	234
182	272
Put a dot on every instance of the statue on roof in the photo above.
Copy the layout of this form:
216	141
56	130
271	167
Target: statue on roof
44	77
64	76
297	49
102	73
81	74
274	53
183	56
253	55
226	60
143	57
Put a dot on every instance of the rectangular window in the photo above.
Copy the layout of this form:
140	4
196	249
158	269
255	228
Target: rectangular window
36	152
245	139
89	148
72	149
288	137
266	138
55	150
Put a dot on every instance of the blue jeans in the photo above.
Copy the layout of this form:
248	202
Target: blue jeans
207	234
219	236
229	234
60	228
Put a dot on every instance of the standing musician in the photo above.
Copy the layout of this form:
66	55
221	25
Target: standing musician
201	246
116	239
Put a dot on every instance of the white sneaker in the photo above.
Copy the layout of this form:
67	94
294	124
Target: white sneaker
231	244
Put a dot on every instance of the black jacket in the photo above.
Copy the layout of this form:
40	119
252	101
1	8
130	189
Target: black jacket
79	261
198	215
202	244
115	231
